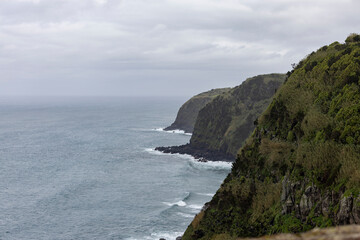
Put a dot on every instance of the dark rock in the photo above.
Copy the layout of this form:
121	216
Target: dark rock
356	210
202	155
178	238
325	204
344	215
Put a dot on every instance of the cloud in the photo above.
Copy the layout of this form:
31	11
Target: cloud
117	45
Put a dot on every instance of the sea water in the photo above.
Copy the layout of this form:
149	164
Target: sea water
85	168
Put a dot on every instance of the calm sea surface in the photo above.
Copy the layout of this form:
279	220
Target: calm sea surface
84	168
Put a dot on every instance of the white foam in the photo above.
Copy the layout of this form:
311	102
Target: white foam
193	162
195	206
211	165
158	235
179	203
186	215
177	131
166	235
156	152
207	194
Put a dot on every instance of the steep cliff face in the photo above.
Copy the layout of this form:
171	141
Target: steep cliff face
188	112
351	232
300	169
225	123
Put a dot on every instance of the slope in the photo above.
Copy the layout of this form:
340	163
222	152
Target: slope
225	122
188	112
301	166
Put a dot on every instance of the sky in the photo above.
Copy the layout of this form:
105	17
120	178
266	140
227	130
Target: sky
159	47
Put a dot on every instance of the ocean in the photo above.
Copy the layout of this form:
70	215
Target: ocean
85	168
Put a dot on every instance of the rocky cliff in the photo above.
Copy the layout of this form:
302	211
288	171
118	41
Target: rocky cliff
351	232
188	112
300	168
224	123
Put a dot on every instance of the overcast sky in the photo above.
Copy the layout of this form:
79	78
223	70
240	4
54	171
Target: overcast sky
159	47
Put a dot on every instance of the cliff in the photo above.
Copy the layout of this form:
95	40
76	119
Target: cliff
188	112
300	168
224	123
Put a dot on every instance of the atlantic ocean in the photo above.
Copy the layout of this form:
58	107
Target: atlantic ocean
85	168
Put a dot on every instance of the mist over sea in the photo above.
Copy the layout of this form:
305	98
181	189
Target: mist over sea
85	168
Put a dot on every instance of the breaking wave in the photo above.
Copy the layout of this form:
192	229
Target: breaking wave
193	162
177	131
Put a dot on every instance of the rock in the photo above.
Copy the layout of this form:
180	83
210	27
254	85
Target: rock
288	206
308	200
351	232
305	202
285	189
162	239
345	210
200	154
356	210
178	238
325	204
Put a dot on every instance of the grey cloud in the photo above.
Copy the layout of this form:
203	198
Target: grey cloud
115	47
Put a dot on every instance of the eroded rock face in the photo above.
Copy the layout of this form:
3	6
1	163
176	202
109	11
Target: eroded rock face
351	232
318	203
345	215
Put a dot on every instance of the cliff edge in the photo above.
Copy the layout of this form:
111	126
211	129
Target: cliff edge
224	123
188	112
300	168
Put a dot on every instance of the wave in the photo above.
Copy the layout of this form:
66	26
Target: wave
186	215
177	131
158	235
179	203
195	207
206	194
187	196
165	235
193	162
210	165
156	152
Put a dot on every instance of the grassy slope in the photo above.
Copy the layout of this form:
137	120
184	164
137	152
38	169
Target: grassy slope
225	123
310	134
187	114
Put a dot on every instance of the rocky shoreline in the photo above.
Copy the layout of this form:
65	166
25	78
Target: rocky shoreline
200	154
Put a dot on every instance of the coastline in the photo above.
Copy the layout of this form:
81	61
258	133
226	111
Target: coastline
200	154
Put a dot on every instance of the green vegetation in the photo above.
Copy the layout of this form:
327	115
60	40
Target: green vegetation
186	117
225	123
301	166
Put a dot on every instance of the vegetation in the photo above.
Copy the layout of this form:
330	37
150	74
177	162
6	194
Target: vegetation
186	117
301	166
225	123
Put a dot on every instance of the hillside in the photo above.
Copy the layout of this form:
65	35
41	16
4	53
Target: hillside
301	166
224	123
188	112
